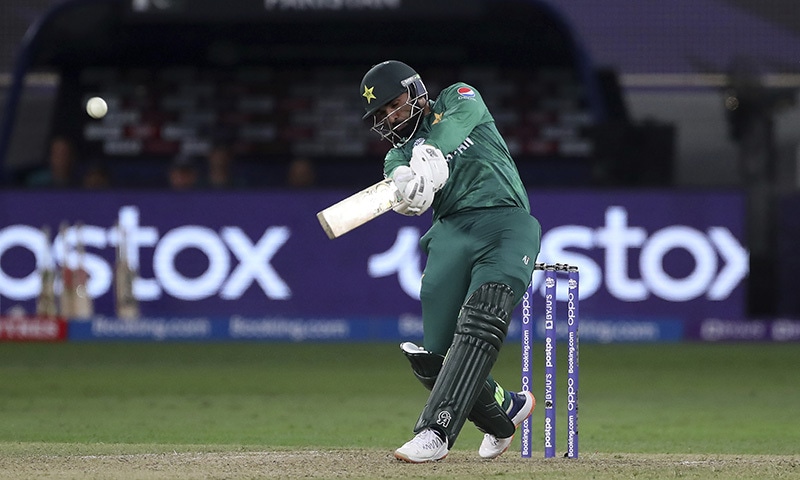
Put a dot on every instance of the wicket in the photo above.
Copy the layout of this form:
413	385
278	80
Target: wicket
550	302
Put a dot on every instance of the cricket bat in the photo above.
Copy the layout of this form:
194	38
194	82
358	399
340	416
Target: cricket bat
359	208
68	295
83	304
46	301
127	307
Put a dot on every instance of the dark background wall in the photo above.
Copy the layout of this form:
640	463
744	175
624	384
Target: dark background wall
671	57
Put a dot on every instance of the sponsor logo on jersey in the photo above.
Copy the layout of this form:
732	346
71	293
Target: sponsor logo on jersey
466	92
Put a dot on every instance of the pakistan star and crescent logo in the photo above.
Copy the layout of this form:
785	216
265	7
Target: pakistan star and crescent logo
437	117
368	94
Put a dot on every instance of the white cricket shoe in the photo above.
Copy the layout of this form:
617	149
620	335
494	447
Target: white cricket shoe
426	446
522	405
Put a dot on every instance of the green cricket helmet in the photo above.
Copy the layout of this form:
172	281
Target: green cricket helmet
383	83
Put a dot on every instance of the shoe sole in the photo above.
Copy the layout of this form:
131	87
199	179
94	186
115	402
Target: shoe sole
408	460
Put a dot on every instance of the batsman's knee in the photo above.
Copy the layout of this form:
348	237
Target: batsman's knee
486	314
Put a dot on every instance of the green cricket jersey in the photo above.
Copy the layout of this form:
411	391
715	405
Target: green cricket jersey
482	172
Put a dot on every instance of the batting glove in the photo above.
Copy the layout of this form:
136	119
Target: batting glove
428	161
417	191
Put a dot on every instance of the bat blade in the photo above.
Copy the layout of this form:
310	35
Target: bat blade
359	208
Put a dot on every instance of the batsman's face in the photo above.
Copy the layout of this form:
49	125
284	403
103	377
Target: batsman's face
396	113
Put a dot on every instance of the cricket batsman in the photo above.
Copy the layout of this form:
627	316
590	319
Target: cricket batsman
449	157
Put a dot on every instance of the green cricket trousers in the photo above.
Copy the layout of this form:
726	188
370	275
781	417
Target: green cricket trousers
466	250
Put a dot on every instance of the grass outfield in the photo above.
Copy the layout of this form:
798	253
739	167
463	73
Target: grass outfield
127	410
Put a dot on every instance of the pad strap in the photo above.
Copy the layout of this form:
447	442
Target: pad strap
488	415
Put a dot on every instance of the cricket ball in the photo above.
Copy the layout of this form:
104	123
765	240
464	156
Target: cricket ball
96	107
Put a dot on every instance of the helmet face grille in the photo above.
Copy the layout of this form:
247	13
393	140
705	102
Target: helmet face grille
382	84
417	100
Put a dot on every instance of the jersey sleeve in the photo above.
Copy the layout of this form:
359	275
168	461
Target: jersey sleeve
393	159
458	110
